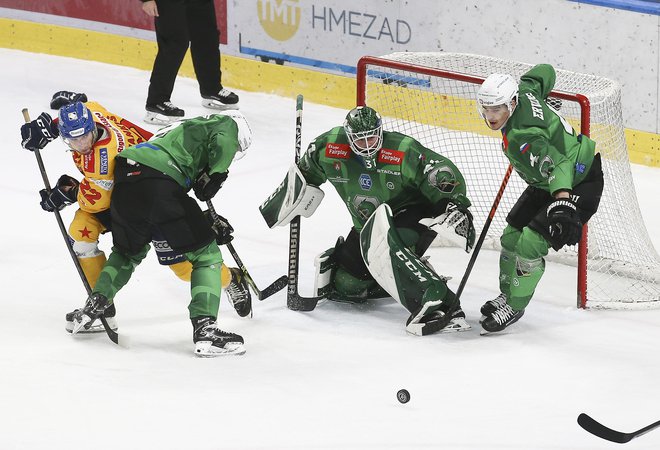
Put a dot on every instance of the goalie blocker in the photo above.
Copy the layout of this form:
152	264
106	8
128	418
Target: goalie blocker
404	276
293	197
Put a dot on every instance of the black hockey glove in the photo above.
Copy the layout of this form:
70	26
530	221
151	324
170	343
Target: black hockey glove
206	186
565	226
221	227
64	193
63	98
36	134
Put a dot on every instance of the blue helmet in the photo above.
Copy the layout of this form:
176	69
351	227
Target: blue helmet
75	120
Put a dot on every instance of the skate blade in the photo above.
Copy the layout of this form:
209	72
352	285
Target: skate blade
213	104
97	326
456	326
207	350
78	326
160	119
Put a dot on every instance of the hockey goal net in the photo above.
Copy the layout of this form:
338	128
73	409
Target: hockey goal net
431	96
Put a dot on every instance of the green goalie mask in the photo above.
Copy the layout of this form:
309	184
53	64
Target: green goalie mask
364	129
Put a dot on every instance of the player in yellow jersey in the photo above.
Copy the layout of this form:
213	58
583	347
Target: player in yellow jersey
95	137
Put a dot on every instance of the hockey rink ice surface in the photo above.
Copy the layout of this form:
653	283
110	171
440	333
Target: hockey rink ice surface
321	380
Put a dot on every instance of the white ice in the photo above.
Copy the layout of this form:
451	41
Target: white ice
320	380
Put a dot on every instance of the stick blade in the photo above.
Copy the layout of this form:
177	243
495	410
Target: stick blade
597	429
305	304
274	287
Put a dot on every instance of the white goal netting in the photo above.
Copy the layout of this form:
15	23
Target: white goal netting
431	96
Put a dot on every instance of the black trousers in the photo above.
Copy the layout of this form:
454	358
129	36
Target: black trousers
147	203
179	23
530	209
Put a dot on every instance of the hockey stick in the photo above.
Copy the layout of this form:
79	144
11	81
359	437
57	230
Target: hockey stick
600	430
484	231
271	289
112	334
294	301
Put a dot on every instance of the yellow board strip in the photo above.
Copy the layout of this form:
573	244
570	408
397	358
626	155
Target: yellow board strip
239	73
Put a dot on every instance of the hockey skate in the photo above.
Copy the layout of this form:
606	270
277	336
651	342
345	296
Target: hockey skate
239	294
422	323
94	307
163	113
457	322
224	99
491	306
500	319
211	341
95	326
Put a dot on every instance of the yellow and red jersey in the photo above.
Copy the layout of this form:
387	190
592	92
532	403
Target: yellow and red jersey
97	167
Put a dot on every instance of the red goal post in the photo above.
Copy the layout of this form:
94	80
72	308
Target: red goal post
431	97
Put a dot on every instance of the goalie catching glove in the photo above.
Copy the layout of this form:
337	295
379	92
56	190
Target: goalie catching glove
565	227
454	225
39	132
63	194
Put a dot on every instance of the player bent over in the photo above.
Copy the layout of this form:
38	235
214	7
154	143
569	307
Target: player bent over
564	177
151	184
95	136
400	195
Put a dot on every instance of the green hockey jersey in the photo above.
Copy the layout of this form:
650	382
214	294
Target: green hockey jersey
541	145
402	173
183	149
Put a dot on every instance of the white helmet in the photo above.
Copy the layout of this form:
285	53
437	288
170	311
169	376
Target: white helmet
497	89
244	131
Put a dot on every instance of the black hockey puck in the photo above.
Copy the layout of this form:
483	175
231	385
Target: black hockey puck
403	396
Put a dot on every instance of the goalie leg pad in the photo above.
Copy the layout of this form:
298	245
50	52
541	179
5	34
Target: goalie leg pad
400	271
293	197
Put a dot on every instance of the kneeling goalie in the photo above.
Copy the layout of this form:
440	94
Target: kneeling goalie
401	196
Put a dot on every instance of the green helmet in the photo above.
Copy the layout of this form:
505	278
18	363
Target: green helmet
361	124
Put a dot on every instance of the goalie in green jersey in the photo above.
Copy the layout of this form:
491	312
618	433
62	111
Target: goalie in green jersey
564	177
400	196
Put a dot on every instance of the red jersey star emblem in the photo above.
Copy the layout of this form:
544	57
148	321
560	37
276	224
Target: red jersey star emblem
85	232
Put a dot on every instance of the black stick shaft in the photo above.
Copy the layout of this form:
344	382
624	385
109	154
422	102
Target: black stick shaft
58	216
484	232
294	225
114	337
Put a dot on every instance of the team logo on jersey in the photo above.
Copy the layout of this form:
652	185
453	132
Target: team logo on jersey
365	182
341	151
387	156
524	148
547	164
103	161
390	185
88	162
337	166
443	179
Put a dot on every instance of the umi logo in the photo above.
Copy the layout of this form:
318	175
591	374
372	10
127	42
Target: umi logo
280	19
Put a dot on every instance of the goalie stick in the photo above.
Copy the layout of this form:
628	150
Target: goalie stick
112	334
271	289
600	430
294	301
